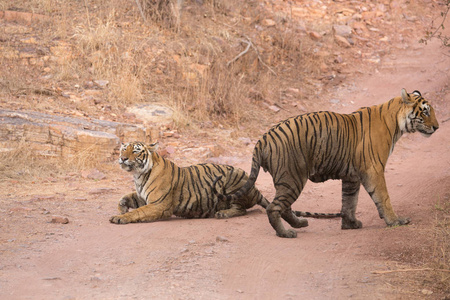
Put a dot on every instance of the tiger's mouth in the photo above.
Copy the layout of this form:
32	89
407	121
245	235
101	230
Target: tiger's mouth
126	165
426	133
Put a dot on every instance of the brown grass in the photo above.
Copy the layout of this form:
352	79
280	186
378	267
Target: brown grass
23	163
441	249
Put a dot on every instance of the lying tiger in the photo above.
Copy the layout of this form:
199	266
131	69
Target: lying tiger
164	189
326	145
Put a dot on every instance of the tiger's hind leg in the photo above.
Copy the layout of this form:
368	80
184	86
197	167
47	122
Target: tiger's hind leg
234	211
281	207
350	191
130	201
296	222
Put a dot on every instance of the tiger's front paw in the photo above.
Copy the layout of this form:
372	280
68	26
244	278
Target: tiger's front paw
351	224
290	234
221	215
119	220
399	222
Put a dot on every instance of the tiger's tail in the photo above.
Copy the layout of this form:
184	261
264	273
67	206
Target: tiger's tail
256	165
306	214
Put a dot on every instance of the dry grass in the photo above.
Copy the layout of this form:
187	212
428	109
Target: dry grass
23	163
441	249
178	54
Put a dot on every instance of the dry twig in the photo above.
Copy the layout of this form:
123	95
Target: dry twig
250	44
140	9
409	270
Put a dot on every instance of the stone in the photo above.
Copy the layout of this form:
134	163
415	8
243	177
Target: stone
342	30
342	41
427	292
220	238
152	113
315	35
268	22
64	136
59	220
101	83
274	108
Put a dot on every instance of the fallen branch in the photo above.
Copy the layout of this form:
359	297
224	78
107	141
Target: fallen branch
250	44
409	270
260	59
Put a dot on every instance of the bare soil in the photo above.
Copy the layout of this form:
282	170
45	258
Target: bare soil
241	258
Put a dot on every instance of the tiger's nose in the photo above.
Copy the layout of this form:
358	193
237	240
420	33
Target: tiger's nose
123	159
436	127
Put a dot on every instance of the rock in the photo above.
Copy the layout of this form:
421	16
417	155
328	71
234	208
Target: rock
152	113
426	292
342	30
315	35
293	91
220	238
374	60
274	108
64	136
361	28
268	22
101	83
342	41
59	220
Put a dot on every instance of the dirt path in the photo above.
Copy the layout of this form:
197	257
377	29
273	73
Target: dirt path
240	258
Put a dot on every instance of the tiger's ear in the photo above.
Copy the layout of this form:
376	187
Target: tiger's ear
153	147
405	97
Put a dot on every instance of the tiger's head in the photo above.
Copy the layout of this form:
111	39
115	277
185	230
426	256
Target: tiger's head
137	157
419	115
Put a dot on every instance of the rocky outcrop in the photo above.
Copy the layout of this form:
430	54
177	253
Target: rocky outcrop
57	135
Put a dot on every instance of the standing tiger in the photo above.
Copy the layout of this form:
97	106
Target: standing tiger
326	145
164	189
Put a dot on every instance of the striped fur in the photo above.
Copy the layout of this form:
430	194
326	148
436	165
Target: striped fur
164	189
326	145
305	214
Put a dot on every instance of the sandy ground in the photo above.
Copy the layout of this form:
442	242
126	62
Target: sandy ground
241	258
